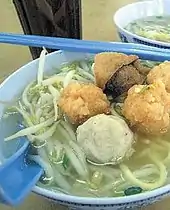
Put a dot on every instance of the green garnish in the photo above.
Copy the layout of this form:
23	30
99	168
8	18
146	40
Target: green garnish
65	162
36	90
159	16
146	87
132	191
58	85
69	67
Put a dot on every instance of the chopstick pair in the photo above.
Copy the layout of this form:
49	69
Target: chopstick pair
74	45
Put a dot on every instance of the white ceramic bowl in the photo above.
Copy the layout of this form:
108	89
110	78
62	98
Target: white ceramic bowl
13	86
138	10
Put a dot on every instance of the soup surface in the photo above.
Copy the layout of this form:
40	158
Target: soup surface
151	27
98	127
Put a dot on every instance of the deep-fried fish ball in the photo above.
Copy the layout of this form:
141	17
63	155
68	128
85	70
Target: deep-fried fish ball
147	108
161	72
82	101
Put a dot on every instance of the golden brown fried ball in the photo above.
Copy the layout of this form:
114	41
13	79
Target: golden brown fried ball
161	72
147	108
82	101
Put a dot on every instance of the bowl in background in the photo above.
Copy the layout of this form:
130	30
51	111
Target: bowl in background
134	11
19	80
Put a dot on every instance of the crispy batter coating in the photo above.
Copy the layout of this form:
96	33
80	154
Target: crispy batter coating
107	63
82	101
161	72
147	108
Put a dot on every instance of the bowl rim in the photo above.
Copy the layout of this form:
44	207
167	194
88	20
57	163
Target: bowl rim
71	199
152	41
92	201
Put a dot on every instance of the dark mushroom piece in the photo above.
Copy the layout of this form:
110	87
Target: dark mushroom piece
115	73
123	79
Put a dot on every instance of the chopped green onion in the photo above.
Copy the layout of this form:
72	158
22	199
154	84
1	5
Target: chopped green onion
133	191
65	162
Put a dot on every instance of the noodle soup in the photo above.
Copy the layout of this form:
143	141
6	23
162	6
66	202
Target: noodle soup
83	133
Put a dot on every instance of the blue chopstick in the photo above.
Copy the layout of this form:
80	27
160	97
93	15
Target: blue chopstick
75	42
73	45
35	38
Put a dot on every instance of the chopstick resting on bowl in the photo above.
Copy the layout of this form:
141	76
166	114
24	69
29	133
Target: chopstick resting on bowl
74	45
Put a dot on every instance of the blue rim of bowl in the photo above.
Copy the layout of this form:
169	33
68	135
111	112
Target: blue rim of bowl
86	201
150	41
